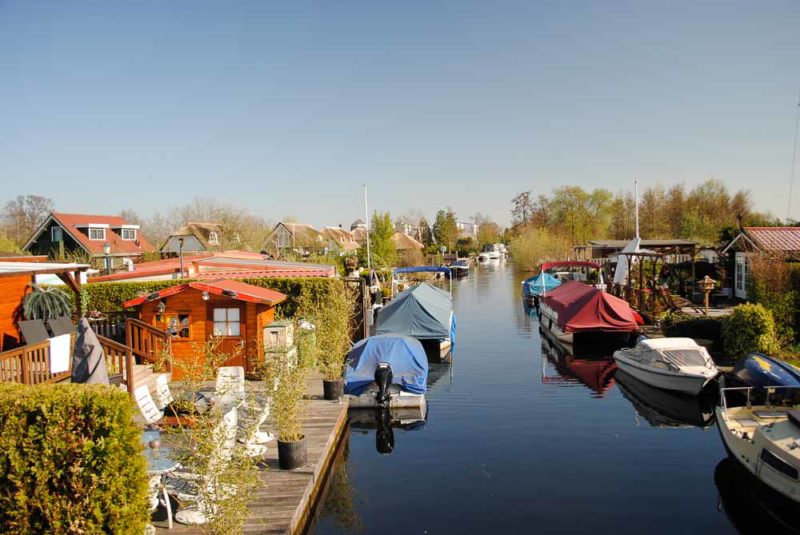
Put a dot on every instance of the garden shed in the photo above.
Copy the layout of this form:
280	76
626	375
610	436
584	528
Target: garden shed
194	312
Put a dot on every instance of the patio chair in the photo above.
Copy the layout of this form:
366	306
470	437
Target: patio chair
61	325
147	406
229	390
155	486
163	394
186	486
675	302
33	331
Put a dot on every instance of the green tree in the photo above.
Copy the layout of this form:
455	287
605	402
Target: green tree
383	251
445	229
425	232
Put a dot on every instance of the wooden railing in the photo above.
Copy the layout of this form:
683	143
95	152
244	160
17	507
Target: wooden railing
119	361
30	364
149	343
112	324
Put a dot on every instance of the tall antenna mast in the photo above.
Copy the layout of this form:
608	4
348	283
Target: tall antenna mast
636	200
794	158
366	217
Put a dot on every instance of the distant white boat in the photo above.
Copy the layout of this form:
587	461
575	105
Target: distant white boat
677	364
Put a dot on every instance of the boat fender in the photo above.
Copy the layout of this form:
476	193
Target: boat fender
383	378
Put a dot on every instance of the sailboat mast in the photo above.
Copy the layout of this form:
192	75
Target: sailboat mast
366	216
636	201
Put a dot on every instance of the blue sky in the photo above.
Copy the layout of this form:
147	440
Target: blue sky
288	107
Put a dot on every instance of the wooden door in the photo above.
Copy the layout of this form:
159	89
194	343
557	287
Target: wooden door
228	323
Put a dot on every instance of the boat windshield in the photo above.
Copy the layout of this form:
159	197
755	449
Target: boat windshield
685	357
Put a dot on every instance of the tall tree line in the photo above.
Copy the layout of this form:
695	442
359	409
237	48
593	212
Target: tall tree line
700	213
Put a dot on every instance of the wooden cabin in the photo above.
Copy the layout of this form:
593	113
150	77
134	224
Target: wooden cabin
16	276
193	313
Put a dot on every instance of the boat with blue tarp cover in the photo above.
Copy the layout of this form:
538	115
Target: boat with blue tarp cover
424	312
387	370
534	287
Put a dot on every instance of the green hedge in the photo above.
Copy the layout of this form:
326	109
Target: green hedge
706	328
70	461
109	296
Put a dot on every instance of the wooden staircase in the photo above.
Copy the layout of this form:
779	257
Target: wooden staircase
143	374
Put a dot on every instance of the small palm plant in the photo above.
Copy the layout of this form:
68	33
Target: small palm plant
46	302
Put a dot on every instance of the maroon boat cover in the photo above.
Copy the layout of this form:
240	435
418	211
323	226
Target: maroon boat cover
582	308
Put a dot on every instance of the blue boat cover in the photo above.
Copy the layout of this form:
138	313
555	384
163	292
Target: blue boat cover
539	284
759	370
404	354
423	269
422	311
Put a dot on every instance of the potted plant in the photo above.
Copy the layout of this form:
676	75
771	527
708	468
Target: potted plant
288	408
46	302
333	316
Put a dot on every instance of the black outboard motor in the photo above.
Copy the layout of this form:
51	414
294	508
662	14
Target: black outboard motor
383	378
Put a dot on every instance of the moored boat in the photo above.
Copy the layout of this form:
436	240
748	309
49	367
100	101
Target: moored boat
764	439
577	310
676	364
459	268
535	287
386	371
423	312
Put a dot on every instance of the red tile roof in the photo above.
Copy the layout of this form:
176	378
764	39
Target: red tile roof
71	222
785	239
268	274
222	287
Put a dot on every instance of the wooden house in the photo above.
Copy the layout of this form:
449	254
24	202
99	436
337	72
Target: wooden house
193	313
782	242
294	237
108	241
195	237
16	277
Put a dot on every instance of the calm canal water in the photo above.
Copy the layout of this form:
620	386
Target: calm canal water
519	442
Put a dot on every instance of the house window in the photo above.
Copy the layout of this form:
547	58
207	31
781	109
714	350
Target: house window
56	234
178	325
129	234
97	233
226	322
213	238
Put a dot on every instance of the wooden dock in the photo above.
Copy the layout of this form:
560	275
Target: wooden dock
283	500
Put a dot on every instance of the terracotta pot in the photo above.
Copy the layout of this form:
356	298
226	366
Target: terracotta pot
333	390
292	454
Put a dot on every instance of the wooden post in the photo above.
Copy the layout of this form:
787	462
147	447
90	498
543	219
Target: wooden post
24	367
129	369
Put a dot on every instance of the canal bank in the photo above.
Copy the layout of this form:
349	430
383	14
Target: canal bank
519	441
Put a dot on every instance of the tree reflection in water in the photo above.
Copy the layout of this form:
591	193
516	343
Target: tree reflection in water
337	502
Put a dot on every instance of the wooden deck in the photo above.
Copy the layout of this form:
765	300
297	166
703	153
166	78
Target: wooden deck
284	499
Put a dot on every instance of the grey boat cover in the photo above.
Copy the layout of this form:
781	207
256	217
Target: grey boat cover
423	312
88	360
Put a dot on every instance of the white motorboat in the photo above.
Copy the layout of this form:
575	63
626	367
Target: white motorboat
677	364
765	439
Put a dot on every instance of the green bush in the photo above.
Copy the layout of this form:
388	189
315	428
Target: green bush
109	296
750	327
70	461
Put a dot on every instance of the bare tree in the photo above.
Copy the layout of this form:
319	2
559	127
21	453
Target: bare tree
22	215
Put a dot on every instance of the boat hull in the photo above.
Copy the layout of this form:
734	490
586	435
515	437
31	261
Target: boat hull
684	383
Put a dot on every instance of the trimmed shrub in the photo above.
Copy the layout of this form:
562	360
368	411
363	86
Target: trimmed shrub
750	327
70	461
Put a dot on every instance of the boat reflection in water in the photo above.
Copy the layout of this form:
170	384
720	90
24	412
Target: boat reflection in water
662	408
592	371
384	421
752	506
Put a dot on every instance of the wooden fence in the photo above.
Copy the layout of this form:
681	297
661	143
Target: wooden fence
149	343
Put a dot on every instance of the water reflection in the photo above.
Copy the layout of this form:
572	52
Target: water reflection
751	506
384	420
661	408
594	372
337	510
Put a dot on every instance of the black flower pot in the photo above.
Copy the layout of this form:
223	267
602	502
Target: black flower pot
333	390
292	454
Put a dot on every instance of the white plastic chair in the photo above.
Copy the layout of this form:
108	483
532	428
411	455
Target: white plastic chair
185	486
146	405
163	393
155	487
230	384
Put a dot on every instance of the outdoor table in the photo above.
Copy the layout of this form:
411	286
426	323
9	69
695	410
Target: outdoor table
159	462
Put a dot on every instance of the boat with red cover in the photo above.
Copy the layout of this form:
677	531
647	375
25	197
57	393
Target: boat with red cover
577	310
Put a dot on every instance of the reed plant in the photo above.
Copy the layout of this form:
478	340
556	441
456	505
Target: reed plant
332	315
288	406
